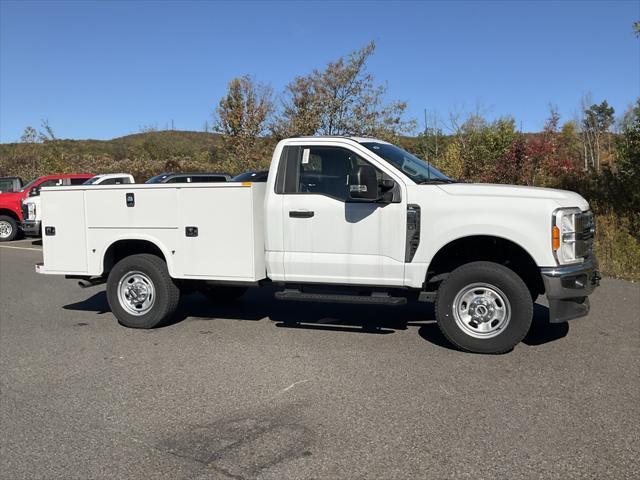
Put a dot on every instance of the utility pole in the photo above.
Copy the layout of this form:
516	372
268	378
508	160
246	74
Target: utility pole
426	140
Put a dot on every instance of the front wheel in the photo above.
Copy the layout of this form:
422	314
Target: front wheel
140	291
484	307
8	228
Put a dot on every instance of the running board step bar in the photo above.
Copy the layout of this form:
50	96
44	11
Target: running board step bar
297	295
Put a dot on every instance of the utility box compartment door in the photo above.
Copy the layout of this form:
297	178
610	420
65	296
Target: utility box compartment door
222	233
109	207
64	231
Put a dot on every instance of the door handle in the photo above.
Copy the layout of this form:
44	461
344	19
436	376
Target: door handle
300	213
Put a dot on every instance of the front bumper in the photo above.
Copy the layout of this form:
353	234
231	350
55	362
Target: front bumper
567	288
31	227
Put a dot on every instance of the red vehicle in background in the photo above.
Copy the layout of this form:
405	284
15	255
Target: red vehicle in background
10	202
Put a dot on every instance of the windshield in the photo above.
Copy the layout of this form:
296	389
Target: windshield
416	169
28	185
157	178
260	176
92	180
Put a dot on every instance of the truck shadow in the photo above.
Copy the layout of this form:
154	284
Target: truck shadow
259	304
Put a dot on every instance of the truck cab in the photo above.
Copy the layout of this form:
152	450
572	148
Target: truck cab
10	184
339	219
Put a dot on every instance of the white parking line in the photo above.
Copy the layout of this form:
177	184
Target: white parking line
21	248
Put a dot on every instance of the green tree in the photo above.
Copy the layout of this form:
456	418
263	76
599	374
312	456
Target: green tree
569	142
484	144
597	121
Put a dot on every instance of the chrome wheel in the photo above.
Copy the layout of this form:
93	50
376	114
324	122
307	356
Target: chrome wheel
6	229
136	293
481	310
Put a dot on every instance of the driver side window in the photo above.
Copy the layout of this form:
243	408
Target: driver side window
35	191
320	170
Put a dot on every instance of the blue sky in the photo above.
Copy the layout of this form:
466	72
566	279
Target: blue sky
104	69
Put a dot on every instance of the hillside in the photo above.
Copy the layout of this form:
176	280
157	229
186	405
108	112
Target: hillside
142	154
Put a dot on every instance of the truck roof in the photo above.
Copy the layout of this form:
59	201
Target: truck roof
165	177
347	137
65	175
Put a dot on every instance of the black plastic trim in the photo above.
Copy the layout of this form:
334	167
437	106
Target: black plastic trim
413	232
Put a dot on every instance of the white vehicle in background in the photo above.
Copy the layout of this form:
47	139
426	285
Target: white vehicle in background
339	219
31	211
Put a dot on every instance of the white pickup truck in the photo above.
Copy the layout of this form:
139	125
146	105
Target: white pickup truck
340	219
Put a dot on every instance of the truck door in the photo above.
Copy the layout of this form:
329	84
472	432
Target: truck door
326	237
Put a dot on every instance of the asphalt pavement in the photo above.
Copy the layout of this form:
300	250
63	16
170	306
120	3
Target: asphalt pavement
274	390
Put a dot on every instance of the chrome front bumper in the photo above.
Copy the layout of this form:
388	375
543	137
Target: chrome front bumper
31	228
567	288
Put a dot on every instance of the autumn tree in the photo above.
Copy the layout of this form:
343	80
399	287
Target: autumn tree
242	117
511	168
569	146
342	99
628	161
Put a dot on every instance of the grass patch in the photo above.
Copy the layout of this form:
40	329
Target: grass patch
616	248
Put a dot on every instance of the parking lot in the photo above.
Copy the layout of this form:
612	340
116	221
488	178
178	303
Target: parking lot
243	391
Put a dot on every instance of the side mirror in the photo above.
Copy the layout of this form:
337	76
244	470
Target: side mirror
34	192
387	184
363	184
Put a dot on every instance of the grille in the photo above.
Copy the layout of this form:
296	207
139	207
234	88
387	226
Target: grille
585	232
25	212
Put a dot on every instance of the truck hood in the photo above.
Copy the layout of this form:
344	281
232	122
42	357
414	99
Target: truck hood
10	197
563	198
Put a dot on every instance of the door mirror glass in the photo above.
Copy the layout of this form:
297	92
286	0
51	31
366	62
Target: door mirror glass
363	184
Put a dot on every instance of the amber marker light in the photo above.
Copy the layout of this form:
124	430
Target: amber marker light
555	237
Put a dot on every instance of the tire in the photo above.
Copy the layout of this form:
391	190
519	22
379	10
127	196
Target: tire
223	293
484	307
8	228
140	291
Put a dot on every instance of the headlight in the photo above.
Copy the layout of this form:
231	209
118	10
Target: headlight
31	208
566	240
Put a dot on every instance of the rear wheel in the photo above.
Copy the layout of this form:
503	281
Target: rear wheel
8	228
484	307
140	291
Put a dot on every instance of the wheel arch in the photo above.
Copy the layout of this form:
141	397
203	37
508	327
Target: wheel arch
10	213
125	247
493	248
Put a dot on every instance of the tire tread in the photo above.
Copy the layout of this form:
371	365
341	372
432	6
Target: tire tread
166	289
492	268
